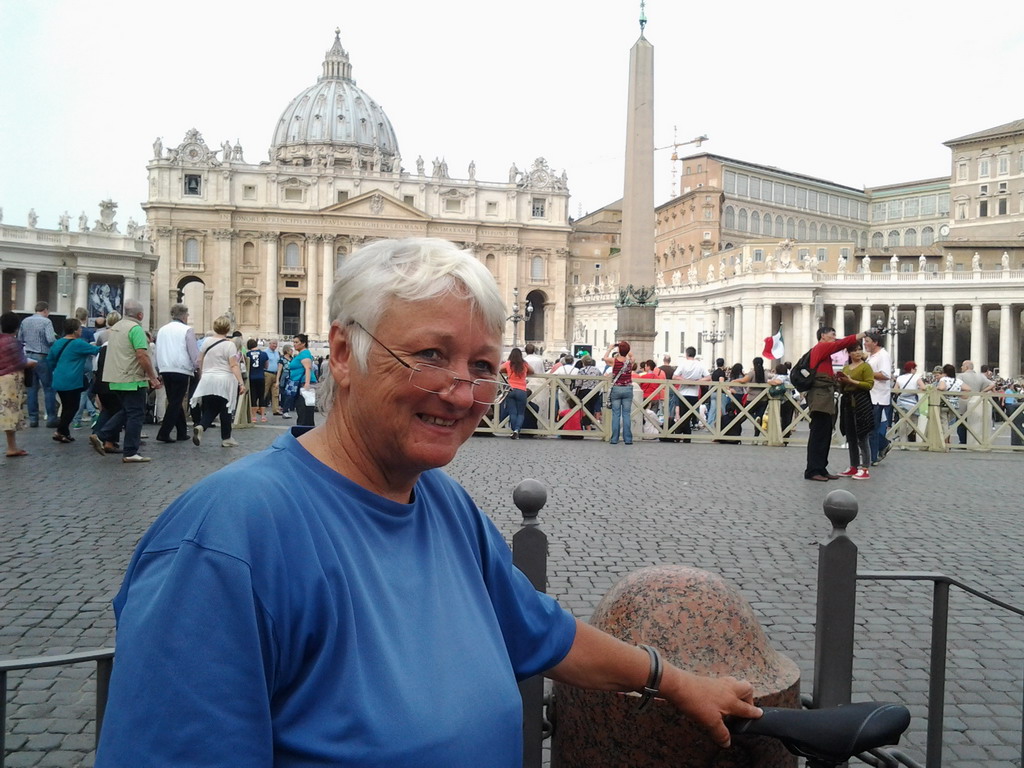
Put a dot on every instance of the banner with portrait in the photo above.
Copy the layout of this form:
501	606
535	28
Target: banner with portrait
105	298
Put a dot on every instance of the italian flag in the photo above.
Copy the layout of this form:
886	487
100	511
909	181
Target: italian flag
774	349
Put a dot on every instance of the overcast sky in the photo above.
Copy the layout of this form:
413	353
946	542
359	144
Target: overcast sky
856	93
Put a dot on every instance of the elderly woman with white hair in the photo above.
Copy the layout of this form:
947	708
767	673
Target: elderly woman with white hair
374	618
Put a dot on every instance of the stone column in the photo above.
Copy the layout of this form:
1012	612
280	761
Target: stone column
131	288
919	339
865	317
224	294
81	290
948	336
327	273
979	337
312	325
30	294
767	322
738	319
271	271
1005	361
145	295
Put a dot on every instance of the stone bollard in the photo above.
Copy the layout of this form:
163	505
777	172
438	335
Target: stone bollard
701	624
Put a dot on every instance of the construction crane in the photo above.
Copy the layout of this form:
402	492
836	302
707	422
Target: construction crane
674	146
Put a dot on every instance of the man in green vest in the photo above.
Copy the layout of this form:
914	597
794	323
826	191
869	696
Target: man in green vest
130	373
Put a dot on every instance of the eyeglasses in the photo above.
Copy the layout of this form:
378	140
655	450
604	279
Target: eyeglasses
441	381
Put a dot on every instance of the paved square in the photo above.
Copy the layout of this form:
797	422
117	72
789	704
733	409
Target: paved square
70	520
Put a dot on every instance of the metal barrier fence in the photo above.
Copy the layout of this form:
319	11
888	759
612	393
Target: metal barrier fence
834	626
104	658
750	413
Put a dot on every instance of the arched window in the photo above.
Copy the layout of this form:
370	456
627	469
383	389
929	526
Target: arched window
248	312
894	238
729	222
755	222
833	233
801	230
766	227
844	234
291	255
537	268
192	251
491	262
339	257
741	224
812	231
790	227
780	226
927	236
249	255
877	240
910	237
864	239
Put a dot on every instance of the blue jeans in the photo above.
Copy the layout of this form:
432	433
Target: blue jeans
42	376
516	402
622	407
879	442
85	401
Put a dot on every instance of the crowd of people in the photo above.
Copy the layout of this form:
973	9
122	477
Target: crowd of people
107	376
857	390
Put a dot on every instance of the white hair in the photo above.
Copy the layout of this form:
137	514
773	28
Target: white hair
409	270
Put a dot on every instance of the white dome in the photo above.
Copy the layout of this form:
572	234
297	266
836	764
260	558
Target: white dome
334	113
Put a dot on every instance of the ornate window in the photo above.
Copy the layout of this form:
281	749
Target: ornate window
339	257
927	236
193	184
894	238
910	237
877	240
538	207
812	231
755	222
491	262
742	221
249	255
729	221
537	268
766	226
801	230
291	255
790	228
780	226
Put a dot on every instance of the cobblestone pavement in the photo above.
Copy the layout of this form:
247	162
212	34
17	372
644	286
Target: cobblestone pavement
70	520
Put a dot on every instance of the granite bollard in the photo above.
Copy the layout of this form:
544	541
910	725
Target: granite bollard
702	624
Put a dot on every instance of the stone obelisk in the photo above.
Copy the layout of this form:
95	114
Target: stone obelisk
637	298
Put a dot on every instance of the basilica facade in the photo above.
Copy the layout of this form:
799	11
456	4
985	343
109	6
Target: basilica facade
261	242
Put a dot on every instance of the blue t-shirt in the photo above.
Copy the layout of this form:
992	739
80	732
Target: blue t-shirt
67	361
318	624
257	360
297	372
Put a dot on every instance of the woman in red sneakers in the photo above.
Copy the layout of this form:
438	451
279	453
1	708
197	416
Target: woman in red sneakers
856	417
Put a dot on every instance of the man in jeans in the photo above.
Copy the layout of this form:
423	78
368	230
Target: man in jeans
37	335
177	355
881	394
691	369
130	373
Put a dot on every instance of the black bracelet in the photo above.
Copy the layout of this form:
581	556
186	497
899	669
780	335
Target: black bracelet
650	690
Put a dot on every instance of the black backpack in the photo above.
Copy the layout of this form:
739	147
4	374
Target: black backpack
802	376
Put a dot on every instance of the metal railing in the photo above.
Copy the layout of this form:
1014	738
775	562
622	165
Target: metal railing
104	659
834	625
753	415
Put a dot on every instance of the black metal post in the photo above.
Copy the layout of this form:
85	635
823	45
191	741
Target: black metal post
837	597
530	555
937	673
103	669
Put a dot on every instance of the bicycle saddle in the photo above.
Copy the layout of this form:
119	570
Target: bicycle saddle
835	734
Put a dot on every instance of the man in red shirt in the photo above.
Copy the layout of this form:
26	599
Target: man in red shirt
821	402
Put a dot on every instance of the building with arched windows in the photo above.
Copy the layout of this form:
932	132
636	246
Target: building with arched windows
747	249
262	241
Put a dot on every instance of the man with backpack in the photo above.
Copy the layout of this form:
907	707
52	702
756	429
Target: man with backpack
821	401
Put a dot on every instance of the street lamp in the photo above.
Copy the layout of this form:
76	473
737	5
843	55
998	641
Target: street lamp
894	330
713	337
518	317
